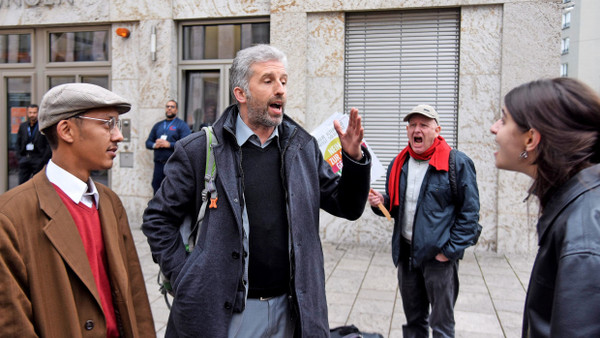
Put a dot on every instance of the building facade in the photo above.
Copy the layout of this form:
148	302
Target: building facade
382	57
580	44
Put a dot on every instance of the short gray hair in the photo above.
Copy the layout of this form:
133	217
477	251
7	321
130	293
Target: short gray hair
241	72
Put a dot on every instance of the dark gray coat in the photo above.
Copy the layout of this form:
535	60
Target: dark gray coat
209	284
563	298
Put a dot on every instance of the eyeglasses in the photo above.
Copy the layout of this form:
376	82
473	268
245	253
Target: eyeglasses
110	123
170	106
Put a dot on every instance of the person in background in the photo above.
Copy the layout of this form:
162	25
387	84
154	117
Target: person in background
162	140
68	263
550	131
257	269
433	225
33	150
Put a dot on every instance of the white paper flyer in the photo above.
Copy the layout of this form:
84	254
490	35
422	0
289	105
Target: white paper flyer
330	146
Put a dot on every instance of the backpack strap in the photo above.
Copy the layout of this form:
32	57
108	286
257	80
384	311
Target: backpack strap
189	230
452	174
210	190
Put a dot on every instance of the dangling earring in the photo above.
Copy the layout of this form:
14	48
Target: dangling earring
524	154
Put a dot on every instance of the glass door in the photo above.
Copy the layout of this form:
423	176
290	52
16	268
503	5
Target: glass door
17	96
35	60
202	98
100	80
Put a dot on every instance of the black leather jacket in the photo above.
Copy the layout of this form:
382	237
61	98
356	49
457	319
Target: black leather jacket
563	299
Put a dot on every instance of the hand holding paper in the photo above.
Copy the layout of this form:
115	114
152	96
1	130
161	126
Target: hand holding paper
331	147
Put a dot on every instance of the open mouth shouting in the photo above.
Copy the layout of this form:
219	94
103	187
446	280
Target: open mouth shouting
276	107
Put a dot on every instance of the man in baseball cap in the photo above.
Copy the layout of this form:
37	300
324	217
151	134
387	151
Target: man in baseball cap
68	251
435	220
425	110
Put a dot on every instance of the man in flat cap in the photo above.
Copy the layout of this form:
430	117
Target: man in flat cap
68	263
431	191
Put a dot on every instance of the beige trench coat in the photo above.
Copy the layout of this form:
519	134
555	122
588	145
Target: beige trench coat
46	284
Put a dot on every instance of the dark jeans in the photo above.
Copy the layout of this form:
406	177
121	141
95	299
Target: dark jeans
433	283
158	175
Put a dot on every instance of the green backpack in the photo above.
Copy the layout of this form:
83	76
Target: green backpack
189	229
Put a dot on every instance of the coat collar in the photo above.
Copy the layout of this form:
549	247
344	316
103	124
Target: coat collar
64	236
583	181
228	119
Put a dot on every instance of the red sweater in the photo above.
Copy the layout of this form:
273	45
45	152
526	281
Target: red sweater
90	230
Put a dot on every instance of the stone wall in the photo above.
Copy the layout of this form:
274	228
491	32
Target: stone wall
503	44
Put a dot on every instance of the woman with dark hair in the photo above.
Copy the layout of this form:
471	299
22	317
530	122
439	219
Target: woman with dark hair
550	130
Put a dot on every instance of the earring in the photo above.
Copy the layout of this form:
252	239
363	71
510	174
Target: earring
524	154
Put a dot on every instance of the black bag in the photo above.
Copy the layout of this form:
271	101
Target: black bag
351	331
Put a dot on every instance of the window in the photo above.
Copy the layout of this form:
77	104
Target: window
221	41
15	48
78	46
564	45
35	60
207	50
395	61
566	20
564	70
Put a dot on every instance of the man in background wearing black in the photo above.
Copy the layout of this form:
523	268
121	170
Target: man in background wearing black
32	147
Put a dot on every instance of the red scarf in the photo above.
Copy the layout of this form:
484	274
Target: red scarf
438	155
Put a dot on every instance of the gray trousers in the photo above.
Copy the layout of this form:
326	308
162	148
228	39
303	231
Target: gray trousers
433	284
263	318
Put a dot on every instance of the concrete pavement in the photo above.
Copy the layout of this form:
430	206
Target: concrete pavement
362	289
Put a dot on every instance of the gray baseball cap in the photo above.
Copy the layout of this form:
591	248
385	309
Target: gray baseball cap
425	110
70	99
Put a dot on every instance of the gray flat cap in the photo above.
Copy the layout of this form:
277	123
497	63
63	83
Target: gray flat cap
70	99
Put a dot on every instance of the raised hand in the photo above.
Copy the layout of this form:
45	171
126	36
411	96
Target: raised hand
352	138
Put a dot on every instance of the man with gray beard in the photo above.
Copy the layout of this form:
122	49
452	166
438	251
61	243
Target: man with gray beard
257	268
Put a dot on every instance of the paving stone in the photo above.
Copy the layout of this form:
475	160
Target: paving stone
341	298
477	322
371	306
339	312
474	302
353	264
362	289
376	295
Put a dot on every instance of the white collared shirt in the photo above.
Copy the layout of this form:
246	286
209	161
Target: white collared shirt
76	189
243	133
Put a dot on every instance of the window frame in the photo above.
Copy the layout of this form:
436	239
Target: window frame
565	42
239	21
564	69
384	87
78	64
566	20
77	73
224	99
221	65
32	51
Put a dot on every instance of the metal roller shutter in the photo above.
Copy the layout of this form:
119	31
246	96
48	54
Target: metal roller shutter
395	61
